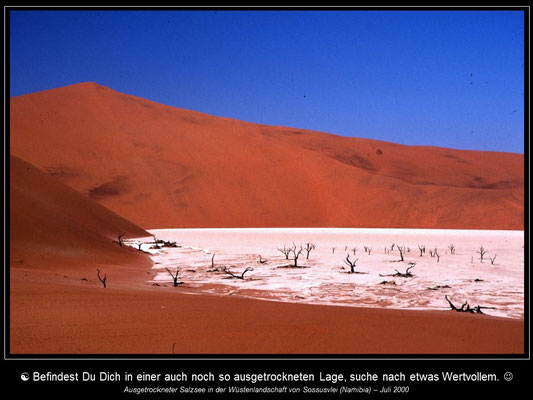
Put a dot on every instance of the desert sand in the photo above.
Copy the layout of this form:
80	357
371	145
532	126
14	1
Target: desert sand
65	316
91	164
58	306
165	167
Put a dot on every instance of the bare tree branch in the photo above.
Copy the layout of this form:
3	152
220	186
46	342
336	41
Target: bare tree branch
465	307
227	271
296	253
286	251
174	276
350	263
103	280
481	253
308	248
407	273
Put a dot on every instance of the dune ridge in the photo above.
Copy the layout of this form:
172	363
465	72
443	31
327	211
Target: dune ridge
165	167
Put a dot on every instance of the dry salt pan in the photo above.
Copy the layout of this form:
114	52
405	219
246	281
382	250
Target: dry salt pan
450	266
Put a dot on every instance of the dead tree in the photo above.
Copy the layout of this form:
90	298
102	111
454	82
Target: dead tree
174	276
452	248
407	273
465	307
368	249
261	261
140	244
241	276
350	263
437	255
308	248
156	244
492	259
213	261
333	250
120	241
438	287
103	280
422	249
401	250
286	251
296	253
354	250
481	253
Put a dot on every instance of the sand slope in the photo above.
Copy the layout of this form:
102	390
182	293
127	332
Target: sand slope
55	229
162	166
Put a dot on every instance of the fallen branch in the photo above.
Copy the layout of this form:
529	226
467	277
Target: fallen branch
407	273
439	287
465	307
227	271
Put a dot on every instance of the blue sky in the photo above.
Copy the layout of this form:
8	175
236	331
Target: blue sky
439	78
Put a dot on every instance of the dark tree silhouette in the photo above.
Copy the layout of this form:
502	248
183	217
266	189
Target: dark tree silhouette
286	251
465	307
103	280
174	276
407	273
296	253
350	263
241	276
120	241
401	250
481	253
308	248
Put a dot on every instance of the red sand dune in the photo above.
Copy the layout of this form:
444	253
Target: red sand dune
165	167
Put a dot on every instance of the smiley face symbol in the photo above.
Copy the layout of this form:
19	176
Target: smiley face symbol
25	376
508	376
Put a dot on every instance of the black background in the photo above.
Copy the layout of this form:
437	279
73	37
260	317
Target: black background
518	367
